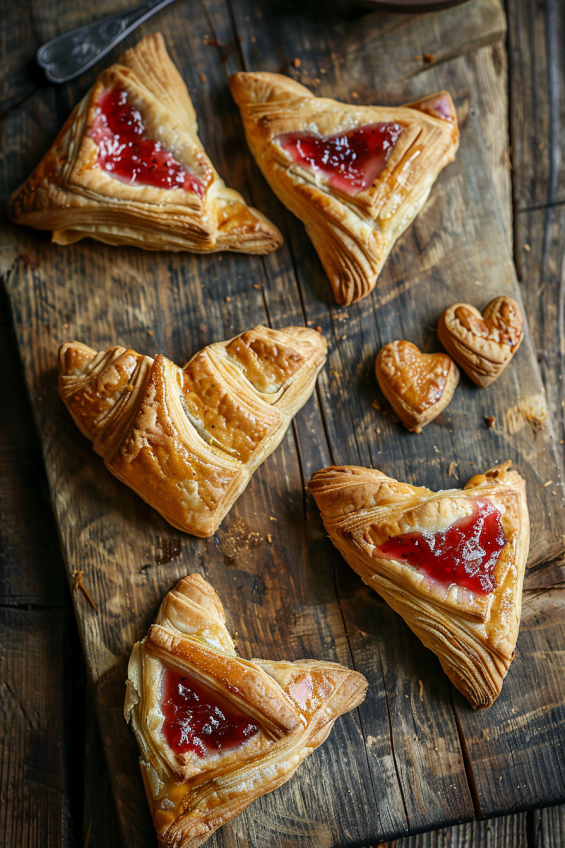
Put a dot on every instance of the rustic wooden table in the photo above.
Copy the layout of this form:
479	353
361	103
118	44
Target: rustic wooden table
55	788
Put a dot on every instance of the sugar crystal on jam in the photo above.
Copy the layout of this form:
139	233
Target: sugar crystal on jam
465	554
126	153
199	719
350	160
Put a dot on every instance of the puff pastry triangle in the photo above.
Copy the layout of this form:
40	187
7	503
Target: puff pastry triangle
450	563
216	731
355	175
128	168
188	440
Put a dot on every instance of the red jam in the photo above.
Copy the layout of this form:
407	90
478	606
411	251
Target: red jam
198	719
350	160
465	554
127	154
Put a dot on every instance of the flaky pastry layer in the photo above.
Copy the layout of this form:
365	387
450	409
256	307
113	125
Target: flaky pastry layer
293	705
70	194
473	634
353	234
188	440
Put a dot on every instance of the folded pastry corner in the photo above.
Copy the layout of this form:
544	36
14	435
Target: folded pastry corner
356	176
188	440
450	563
215	731
128	168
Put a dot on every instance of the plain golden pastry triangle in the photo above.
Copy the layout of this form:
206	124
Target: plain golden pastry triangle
188	440
128	168
215	731
450	563
355	175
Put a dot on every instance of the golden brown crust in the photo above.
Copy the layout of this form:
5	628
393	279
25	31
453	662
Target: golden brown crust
69	194
482	345
187	441
293	705
474	635
417	385
352	234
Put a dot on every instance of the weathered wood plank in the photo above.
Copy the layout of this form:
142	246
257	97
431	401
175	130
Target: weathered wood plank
100	824
291	583
32	781
297	613
516	748
548	828
489	67
462	210
449	279
507	832
30	573
535	43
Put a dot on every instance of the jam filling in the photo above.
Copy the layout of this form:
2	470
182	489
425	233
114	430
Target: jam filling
127	154
351	160
198	719
465	554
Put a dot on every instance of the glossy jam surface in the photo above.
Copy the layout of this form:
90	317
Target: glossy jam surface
198	719
351	160
465	554
127	154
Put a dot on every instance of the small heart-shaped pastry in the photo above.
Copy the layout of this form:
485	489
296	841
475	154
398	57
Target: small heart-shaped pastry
482	345
417	385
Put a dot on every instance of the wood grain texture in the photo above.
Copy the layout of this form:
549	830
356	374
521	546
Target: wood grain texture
508	832
512	731
34	800
548	828
30	573
462	202
537	74
281	597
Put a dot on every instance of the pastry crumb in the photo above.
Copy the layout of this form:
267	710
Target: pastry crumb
344	337
296	63
547	483
269	539
272	518
527	248
478	283
318	329
378	431
355	95
66	326
149	332
553	492
255	286
228	299
429	57
451	470
421	685
375	404
202	77
490	421
436	450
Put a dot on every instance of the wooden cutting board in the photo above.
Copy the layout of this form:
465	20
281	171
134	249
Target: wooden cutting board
409	759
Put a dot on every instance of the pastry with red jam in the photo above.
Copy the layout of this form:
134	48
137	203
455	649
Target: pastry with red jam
216	731
451	563
356	176
128	168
